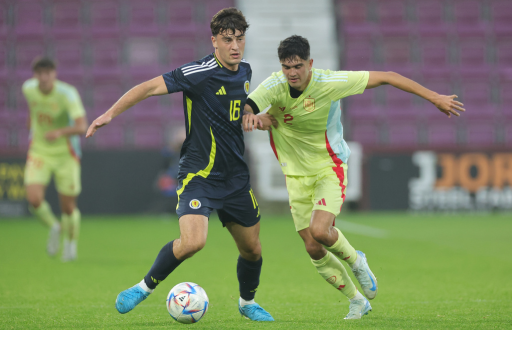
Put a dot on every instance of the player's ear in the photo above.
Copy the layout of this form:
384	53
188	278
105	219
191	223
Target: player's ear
310	64
214	42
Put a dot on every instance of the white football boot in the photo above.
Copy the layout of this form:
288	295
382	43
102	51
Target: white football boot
69	252
359	306
365	276
52	247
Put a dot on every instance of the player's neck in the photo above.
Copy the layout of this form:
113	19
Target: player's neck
46	91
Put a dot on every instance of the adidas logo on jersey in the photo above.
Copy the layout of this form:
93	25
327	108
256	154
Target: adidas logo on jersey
221	91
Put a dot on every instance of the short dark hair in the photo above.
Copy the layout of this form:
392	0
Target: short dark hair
294	46
228	19
43	63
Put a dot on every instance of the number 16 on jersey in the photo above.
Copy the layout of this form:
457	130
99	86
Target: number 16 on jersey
234	110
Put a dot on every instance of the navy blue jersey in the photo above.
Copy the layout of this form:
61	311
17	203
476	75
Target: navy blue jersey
213	102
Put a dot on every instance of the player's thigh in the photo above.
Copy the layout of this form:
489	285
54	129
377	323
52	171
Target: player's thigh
300	193
329	192
67	176
193	235
35	194
38	170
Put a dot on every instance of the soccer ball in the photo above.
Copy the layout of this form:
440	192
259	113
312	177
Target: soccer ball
187	302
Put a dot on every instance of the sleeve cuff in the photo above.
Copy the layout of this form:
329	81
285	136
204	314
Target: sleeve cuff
253	105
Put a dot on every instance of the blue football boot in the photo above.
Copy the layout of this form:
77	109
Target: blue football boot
365	276
254	312
128	299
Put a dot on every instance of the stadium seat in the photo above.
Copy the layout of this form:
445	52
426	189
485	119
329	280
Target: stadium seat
504	53
354	18
143	57
430	16
4	60
362	107
366	134
104	95
479	135
472	55
5	138
442	135
29	19
358	55
22	138
106	58
501	12
180	18
147	111
399	105
148	136
181	52
105	19
26	52
392	17
213	6
143	17
397	53
402	135
508	135
4	13
468	16
476	96
69	57
434	55
66	18
110	137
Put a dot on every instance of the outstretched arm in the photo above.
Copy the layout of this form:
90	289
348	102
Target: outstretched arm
78	128
446	104
153	87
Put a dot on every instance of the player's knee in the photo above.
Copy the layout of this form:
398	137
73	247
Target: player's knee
34	200
68	209
319	233
192	247
252	252
315	250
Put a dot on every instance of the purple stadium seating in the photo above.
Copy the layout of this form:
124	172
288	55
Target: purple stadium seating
444	135
467	15
181	52
4	137
148	111
399	105
66	15
397	54
4	69
148	136
26	52
402	135
106	58
105	94
476	97
508	135
361	107
358	54
501	11
29	16
143	17
112	136
366	134
105	19
4	28
181	18
480	135
143	57
69	56
392	17
22	138
472	55
435	55
504	53
354	18
213	6
430	16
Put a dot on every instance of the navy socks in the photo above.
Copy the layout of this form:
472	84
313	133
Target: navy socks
248	274
164	264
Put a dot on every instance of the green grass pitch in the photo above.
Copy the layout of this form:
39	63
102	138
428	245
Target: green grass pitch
434	272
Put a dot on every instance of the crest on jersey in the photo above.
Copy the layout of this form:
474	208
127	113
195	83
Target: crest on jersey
309	104
331	280
195	204
246	87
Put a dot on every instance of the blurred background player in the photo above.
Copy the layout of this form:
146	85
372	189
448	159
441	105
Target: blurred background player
57	116
213	173
308	142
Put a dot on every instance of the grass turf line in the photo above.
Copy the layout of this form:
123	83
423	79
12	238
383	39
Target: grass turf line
434	272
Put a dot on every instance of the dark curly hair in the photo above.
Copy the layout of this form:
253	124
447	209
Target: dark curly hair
228	19
43	63
294	46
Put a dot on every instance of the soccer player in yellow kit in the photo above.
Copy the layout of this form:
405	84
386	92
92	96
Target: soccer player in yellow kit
57	116
307	139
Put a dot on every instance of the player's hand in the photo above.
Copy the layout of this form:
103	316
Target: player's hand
267	120
52	135
251	121
101	121
448	105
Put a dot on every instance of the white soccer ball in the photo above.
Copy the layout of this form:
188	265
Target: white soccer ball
187	302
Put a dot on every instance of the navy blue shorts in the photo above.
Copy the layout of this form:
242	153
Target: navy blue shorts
233	199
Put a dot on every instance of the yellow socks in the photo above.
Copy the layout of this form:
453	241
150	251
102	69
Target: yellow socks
342	249
44	214
335	274
71	225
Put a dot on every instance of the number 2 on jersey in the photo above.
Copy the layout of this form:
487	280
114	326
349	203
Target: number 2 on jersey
234	110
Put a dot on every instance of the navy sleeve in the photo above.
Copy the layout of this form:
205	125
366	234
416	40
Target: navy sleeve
176	81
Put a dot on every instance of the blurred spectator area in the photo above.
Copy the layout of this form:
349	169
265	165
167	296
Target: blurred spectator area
461	47
103	48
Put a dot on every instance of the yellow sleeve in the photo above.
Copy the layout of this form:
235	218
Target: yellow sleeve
74	104
349	83
266	93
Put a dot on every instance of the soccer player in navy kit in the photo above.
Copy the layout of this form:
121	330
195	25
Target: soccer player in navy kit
213	174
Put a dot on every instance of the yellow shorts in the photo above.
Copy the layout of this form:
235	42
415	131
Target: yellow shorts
324	191
66	170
